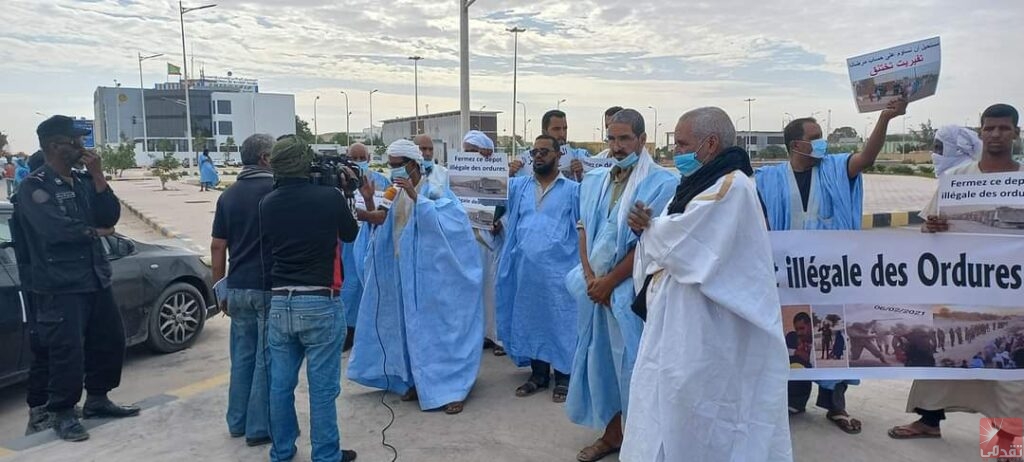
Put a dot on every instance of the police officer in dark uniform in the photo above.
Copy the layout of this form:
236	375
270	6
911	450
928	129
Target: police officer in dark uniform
62	214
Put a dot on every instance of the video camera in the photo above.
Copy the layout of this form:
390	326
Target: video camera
327	170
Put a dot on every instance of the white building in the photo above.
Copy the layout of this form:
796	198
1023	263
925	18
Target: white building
221	108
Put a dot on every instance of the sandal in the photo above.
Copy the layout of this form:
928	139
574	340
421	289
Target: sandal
559	394
529	388
845	422
596	451
913	431
410	395
454	408
499	350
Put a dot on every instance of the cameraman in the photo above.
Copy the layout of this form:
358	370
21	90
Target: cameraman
301	223
62	215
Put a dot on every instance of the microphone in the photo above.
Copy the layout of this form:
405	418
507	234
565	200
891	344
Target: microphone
389	198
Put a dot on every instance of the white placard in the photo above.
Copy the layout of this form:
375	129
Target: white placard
910	70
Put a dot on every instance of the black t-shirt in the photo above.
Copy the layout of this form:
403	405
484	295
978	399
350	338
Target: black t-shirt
803	182
302	223
237	221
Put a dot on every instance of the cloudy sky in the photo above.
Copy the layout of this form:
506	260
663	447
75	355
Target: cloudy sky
670	54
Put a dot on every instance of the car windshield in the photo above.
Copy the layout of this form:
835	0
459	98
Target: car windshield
6	255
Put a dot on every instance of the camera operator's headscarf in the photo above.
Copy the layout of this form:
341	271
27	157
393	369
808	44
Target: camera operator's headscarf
959	145
291	158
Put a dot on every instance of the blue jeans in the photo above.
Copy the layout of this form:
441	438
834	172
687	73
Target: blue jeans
312	327
248	408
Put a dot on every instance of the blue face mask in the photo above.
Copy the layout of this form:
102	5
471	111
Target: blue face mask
628	161
364	166
819	148
428	164
399	172
687	163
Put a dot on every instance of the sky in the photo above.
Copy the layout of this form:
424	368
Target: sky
666	54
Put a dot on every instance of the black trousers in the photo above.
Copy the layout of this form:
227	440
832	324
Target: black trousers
541	373
39	370
84	334
931	418
831	400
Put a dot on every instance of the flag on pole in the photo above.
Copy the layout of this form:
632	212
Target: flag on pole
173	70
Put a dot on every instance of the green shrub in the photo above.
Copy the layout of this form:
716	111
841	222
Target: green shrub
880	168
902	170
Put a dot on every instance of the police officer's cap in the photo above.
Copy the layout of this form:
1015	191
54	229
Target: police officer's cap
60	125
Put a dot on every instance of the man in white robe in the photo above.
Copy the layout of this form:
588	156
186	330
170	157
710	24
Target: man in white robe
931	399
436	173
710	379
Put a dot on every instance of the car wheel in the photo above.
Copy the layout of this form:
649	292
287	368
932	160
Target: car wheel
176	319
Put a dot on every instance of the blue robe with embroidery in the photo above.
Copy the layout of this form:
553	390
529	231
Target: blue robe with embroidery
536	315
422	303
353	252
609	338
840	203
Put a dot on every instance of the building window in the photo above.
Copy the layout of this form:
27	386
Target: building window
224	128
776	140
223	107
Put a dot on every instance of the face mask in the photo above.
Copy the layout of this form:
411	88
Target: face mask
399	172
628	161
364	166
687	163
819	148
428	164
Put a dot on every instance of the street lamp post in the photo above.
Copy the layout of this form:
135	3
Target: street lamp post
526	124
515	76
524	119
184	65
464	64
371	118
750	121
348	130
416	89
142	98
559	104
655	126
316	131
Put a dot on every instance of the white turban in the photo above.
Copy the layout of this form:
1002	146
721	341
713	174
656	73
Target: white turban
405	148
479	139
959	145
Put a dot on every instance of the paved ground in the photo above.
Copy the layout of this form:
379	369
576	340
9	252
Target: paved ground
189	389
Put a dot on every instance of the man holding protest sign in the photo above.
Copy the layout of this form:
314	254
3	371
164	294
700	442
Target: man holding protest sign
708	280
817	191
932	398
554	125
536	314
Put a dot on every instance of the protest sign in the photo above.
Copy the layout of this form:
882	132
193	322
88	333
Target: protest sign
564	163
991	203
590	163
480	183
910	70
899	304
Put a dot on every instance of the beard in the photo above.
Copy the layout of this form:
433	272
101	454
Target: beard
72	158
543	169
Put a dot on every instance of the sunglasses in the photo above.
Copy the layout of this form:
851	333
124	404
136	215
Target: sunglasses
540	152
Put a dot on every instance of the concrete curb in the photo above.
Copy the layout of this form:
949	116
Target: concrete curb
890	220
163	228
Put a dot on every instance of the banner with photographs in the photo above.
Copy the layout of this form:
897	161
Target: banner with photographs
910	70
897	304
481	183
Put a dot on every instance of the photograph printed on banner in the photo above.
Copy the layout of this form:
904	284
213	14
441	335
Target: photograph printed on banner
979	337
830	336
480	216
890	335
797	327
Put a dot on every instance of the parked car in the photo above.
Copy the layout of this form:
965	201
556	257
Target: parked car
163	293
